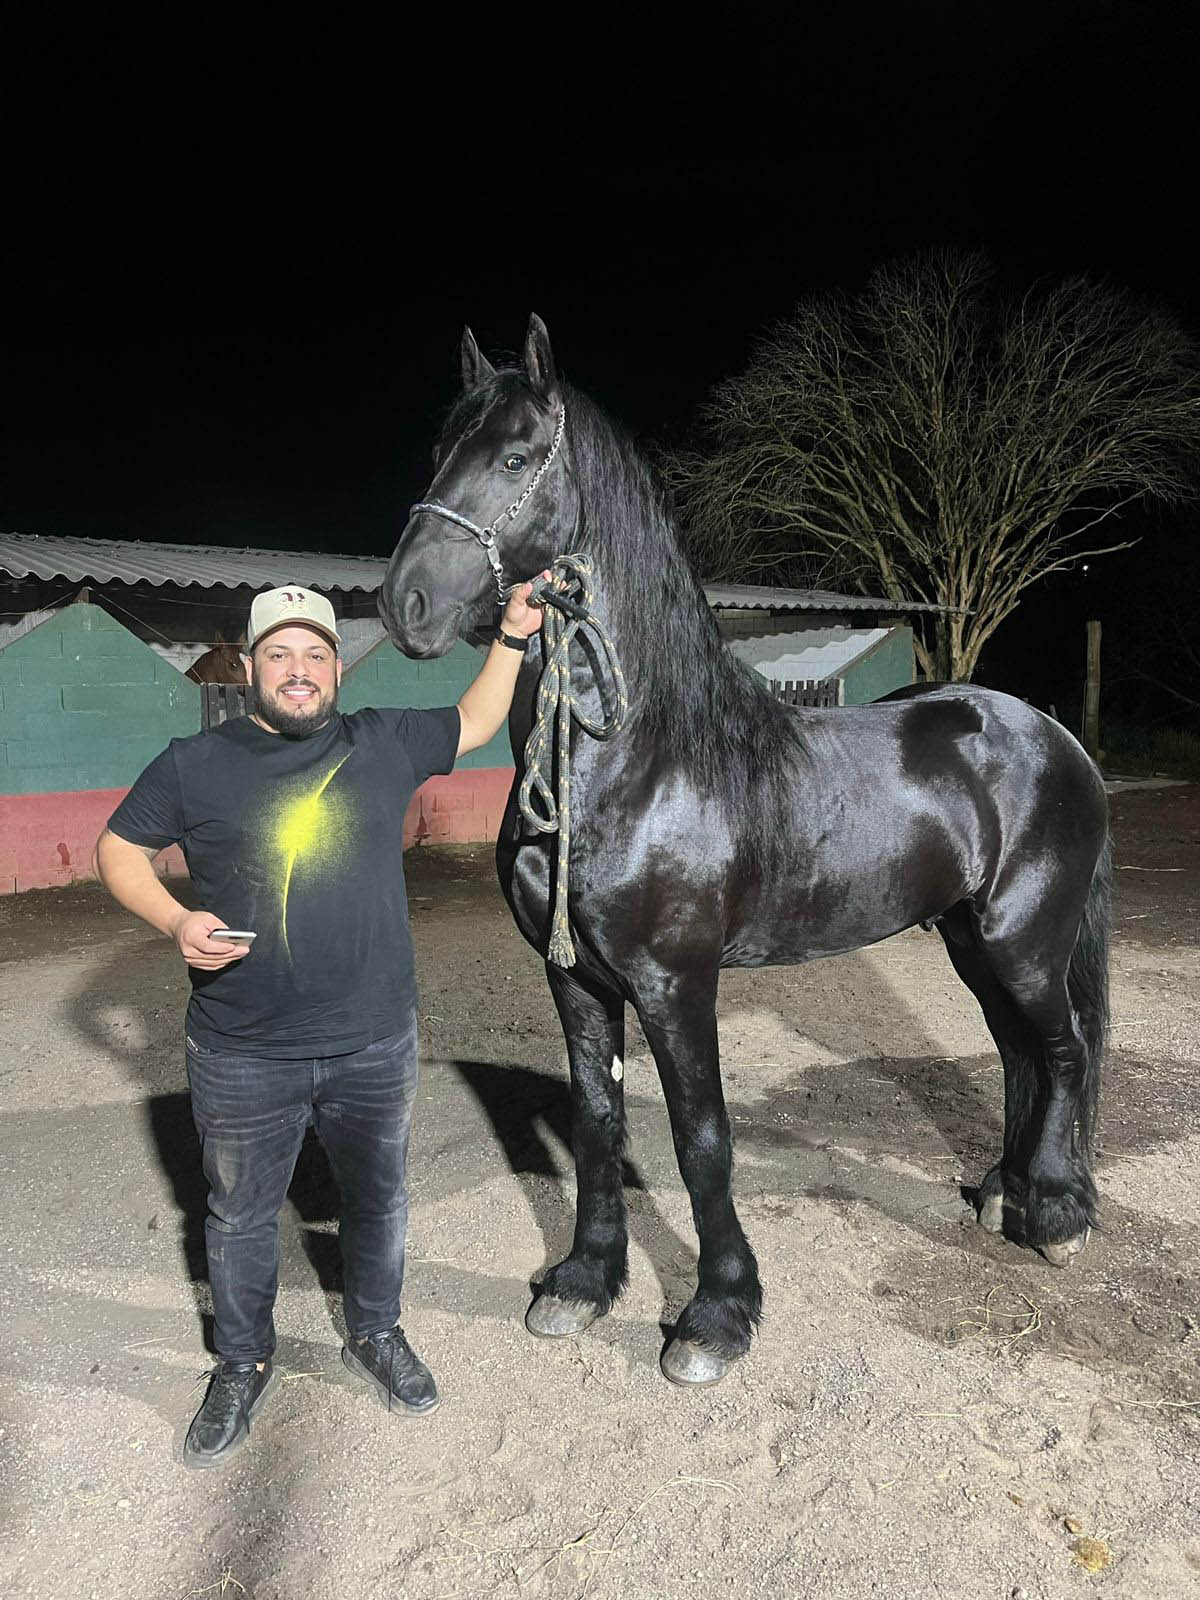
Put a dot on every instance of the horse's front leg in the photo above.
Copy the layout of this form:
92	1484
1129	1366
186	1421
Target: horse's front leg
581	1288
715	1328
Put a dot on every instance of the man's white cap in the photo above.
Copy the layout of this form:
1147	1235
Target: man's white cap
279	608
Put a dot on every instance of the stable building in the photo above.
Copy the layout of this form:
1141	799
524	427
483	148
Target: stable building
97	634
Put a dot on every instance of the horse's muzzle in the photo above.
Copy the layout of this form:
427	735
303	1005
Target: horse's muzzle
414	611
408	616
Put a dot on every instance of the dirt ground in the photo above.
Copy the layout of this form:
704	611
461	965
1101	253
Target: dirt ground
928	1411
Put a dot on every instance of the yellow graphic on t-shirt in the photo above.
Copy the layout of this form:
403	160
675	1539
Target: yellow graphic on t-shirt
313	830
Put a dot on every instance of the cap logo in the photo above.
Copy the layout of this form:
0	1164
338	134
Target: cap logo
271	610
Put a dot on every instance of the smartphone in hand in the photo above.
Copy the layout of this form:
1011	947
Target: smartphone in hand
232	936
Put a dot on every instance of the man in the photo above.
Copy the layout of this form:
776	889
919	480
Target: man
290	820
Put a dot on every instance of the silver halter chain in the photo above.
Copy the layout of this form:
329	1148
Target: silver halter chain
487	535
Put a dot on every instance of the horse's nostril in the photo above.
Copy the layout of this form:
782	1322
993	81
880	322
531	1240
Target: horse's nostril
414	608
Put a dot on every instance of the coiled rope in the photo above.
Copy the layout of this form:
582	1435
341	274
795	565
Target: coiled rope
567	597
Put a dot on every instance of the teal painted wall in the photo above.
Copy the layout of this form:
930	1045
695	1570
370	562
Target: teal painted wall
85	705
385	677
888	666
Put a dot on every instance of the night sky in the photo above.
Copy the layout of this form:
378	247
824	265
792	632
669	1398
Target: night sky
236	285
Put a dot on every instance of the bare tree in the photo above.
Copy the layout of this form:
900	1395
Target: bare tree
942	443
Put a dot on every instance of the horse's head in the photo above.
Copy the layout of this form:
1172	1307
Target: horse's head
475	528
220	664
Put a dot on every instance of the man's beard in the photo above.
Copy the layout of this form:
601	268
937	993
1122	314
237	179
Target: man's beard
292	721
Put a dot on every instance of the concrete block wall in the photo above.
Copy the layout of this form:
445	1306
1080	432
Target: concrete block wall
385	677
888	664
84	706
47	840
465	807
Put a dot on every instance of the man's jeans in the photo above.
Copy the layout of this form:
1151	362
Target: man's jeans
251	1114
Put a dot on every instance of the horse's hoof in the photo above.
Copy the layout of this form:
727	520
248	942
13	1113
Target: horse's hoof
551	1318
991	1214
688	1363
1062	1255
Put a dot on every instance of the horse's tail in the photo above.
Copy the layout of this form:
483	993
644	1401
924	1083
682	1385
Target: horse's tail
1087	984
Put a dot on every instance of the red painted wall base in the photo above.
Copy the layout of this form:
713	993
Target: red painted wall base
47	840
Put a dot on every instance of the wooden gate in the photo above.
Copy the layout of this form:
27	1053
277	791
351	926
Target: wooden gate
810	691
220	702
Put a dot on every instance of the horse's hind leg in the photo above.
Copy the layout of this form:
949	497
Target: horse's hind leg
1060	1202
583	1286
1060	988
715	1328
1021	1053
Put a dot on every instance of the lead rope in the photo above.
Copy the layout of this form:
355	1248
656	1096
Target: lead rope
569	591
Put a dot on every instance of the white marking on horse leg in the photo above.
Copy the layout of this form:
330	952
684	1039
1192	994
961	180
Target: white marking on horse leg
991	1213
618	1069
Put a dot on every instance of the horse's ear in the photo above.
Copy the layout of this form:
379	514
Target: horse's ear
472	363
539	360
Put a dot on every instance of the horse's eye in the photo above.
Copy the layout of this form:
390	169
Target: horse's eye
515	464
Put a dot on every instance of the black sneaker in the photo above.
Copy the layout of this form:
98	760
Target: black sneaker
222	1424
388	1361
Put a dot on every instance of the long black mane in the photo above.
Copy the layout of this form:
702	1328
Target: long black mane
706	710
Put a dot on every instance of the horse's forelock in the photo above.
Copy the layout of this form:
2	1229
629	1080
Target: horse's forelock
471	406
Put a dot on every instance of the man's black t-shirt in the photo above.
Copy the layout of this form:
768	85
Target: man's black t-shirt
300	841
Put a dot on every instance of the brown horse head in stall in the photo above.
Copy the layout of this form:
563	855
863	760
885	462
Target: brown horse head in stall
221	664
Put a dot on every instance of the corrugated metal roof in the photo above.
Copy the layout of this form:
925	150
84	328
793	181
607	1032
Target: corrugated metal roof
816	652
27	555
764	596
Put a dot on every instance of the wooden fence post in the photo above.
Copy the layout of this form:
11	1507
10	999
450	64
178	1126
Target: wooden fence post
1091	693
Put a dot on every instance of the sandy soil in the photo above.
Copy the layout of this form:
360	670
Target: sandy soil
928	1411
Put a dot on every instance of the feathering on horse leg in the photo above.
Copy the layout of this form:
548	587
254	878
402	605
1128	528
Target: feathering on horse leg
716	1326
1061	1201
1020	1049
583	1286
1066	1000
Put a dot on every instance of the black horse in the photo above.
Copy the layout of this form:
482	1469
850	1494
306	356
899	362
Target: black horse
722	828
